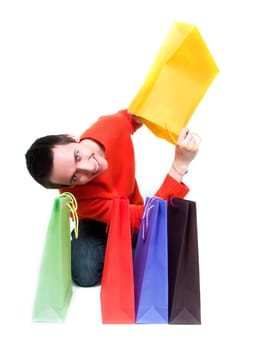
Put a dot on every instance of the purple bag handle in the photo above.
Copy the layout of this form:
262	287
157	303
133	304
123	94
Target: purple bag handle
145	218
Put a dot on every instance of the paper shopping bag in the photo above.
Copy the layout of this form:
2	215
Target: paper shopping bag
183	263
151	264
117	285
178	79
54	287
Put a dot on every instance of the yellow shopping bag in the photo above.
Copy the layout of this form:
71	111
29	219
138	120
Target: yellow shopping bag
179	77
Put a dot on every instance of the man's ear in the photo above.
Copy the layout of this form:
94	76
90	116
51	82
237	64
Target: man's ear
74	137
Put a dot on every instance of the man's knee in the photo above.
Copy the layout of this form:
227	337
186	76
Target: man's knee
86	273
87	253
86	279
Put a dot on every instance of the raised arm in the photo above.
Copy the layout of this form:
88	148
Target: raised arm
185	151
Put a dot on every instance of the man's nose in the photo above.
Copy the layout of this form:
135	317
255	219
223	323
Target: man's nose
86	165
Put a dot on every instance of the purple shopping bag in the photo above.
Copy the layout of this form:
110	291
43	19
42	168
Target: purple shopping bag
151	264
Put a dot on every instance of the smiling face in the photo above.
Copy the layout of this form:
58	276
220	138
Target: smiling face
77	163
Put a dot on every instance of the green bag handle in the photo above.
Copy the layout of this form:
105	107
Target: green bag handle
73	206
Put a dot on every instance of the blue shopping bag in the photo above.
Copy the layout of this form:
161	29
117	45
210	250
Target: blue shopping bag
151	264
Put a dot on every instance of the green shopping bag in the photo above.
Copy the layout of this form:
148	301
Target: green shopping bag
54	287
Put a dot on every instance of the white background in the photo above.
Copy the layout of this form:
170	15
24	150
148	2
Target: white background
63	64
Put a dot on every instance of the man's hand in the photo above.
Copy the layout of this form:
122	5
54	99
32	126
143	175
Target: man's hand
185	151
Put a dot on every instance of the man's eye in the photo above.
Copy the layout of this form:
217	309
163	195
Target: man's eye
77	156
74	178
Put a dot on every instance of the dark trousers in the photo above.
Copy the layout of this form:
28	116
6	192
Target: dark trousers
88	252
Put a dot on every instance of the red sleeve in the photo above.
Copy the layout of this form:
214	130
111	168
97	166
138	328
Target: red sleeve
136	212
169	187
99	209
134	123
95	208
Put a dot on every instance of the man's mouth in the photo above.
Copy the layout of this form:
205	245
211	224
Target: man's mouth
97	166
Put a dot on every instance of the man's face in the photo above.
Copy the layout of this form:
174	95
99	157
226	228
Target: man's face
77	163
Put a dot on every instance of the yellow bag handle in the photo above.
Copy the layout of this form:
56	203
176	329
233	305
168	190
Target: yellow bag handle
73	206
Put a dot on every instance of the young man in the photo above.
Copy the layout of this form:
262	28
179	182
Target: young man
95	169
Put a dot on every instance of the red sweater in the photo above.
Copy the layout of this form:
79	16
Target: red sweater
95	198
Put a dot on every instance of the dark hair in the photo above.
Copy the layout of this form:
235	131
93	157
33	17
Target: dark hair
39	158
